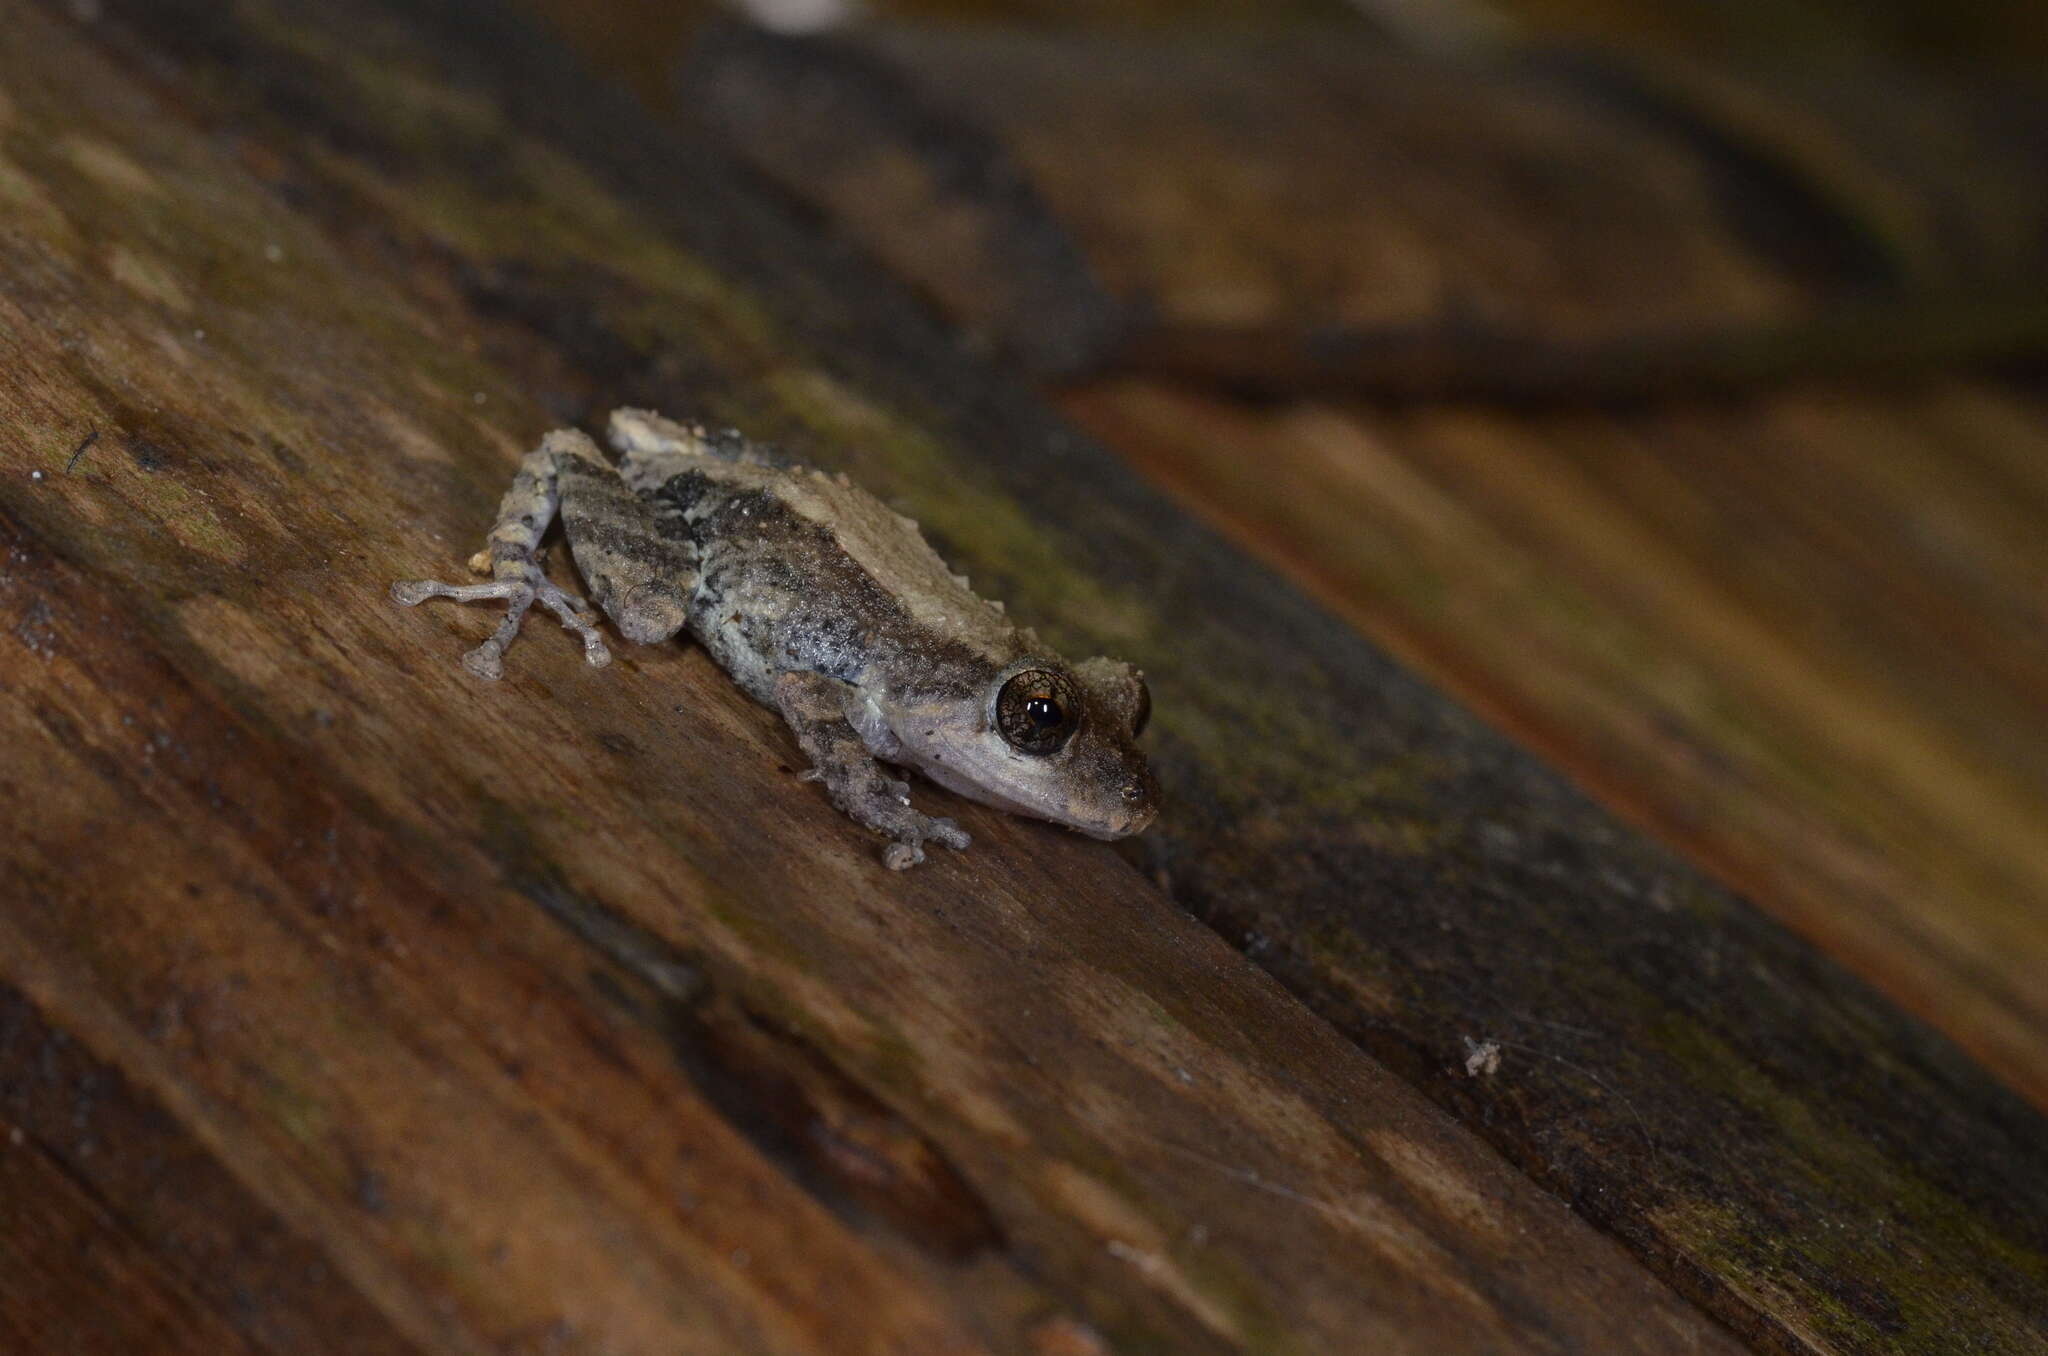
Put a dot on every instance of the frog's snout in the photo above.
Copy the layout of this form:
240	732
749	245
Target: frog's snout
1138	804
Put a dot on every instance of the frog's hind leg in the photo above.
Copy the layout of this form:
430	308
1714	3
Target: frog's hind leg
510	557
635	551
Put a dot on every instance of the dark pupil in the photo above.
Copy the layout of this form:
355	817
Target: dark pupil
1036	711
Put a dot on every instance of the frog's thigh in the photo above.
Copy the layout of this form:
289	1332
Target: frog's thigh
636	554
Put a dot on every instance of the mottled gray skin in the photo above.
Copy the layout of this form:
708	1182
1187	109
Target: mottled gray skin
827	607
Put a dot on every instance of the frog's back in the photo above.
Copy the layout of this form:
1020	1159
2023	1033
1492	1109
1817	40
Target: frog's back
817	563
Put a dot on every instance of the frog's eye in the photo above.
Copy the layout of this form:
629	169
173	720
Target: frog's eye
1037	710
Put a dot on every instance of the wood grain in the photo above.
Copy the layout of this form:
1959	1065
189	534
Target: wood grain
65	1259
1692	602
124	1232
1721	674
1794	635
1326	212
560	1015
633	1037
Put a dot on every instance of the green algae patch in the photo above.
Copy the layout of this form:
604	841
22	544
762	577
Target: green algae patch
1834	1241
942	491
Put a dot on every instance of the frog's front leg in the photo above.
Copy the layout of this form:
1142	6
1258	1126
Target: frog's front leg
814	706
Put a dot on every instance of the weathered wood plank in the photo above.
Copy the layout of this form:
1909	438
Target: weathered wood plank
1609	1020
1842	713
70	1281
1207	187
1680	1069
560	1013
641	39
1320	212
2009	36
1760	206
1510	573
496	1147
113	1218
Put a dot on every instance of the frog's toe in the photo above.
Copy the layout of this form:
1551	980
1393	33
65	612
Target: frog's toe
413	592
487	661
577	615
912	831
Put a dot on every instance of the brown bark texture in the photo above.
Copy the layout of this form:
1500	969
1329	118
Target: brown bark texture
348	1005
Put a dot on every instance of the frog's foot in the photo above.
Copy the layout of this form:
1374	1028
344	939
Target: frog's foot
911	831
813	705
883	804
487	660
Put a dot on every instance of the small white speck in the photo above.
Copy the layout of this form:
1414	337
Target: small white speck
1481	1057
274	252
1149	1263
477	397
35	475
800	16
199	334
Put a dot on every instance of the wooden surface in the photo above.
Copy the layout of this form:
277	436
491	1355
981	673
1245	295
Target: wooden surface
1326	212
1790	624
560	1016
1798	634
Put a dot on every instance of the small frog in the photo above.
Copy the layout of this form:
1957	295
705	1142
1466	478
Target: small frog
827	607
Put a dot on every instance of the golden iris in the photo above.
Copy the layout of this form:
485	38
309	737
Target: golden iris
1037	711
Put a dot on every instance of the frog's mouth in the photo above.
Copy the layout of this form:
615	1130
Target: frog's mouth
1138	797
1137	803
956	780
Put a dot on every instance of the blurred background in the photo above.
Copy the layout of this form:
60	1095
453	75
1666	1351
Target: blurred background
1662	378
